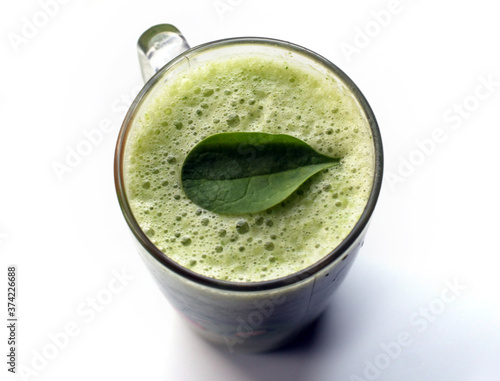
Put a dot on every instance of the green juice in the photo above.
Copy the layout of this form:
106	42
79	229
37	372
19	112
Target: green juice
259	94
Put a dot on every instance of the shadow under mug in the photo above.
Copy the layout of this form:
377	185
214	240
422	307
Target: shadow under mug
253	316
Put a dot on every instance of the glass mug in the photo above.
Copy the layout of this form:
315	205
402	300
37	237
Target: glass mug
252	316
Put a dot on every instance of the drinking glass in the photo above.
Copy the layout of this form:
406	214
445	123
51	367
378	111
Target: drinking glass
241	316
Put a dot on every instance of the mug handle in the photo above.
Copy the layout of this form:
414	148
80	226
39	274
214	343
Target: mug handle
157	46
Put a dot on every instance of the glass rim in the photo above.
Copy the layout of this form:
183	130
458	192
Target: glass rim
287	280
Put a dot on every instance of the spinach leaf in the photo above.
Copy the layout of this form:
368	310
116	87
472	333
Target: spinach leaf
248	172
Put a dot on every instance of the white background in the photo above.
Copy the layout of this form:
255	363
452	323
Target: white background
436	221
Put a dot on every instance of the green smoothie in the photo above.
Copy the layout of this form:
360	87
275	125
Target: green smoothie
256	94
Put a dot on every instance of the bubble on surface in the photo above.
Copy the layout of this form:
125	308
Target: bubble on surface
242	227
208	92
269	246
233	120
